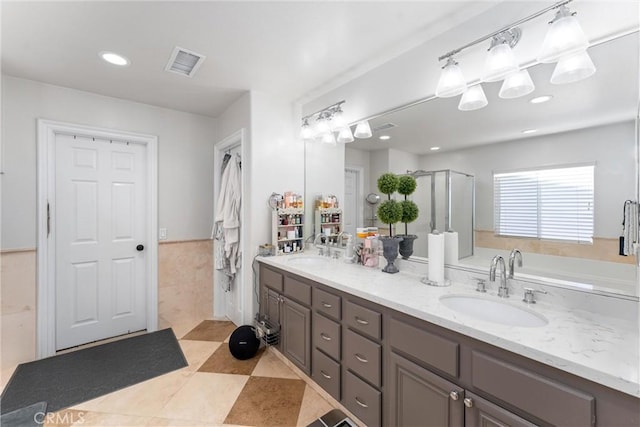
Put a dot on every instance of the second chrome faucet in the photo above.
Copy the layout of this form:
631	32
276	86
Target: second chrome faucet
503	290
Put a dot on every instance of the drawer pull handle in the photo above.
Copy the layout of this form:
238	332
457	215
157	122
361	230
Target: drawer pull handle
468	402
360	358
454	395
325	305
364	405
325	337
361	321
324	374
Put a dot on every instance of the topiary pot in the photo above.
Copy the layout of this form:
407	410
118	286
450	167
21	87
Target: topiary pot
390	252
406	245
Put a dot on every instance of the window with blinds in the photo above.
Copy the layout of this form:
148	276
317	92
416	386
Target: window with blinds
545	203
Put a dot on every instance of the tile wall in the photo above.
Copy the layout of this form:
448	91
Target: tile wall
185	295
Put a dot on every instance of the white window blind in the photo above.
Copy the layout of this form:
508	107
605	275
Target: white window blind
545	203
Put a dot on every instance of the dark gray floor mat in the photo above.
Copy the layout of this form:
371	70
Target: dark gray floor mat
82	375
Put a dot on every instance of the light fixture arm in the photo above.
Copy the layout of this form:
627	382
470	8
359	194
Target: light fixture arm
504	29
330	110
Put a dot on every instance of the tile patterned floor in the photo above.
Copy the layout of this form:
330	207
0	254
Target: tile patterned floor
215	389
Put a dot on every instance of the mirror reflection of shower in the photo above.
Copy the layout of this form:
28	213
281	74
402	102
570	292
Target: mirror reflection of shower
446	200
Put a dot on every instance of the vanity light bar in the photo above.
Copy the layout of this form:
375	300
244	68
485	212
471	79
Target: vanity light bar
503	29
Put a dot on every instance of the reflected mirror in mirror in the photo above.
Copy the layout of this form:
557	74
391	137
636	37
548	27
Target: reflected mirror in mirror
590	123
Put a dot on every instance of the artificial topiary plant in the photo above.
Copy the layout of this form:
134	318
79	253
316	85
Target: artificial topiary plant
406	186
389	211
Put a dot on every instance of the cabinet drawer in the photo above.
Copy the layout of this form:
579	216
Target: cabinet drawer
363	356
271	278
326	303
297	290
363	320
326	372
542	397
432	349
362	399
326	335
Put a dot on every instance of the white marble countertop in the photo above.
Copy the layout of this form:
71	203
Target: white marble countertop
599	348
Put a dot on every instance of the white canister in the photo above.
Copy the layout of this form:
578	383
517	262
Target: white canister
291	234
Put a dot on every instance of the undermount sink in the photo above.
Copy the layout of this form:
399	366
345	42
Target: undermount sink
493	311
307	260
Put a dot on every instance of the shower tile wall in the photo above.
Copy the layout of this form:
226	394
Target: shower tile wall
185	295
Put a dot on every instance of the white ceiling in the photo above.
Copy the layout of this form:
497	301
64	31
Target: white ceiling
609	96
288	48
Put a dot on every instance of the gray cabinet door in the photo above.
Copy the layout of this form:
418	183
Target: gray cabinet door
482	413
419	397
296	334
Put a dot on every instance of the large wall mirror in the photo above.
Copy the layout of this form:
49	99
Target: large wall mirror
457	158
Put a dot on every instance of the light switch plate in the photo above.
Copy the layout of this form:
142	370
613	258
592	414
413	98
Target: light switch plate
162	234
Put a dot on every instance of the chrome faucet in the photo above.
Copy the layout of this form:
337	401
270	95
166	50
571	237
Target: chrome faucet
515	253
321	249
503	290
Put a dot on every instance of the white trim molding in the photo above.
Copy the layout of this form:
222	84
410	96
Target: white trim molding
46	299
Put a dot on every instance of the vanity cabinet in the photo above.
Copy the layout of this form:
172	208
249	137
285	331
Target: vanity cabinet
389	368
479	412
296	333
421	398
287	300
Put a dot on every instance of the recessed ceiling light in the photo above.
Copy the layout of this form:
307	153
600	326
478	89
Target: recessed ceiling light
114	58
384	137
434	148
541	99
529	131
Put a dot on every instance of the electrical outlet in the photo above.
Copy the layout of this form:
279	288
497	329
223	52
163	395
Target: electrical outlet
163	234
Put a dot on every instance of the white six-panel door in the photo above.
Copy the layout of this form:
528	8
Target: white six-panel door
99	226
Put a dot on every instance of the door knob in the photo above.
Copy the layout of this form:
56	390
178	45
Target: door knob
454	395
468	402
140	248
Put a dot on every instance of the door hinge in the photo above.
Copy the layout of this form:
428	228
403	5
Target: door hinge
48	219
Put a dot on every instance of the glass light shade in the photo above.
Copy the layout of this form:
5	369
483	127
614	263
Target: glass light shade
573	68
473	99
306	132
500	62
328	138
564	37
516	84
363	130
337	121
322	126
345	135
452	82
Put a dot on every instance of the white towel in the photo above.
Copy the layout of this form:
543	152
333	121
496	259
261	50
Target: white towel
228	211
630	227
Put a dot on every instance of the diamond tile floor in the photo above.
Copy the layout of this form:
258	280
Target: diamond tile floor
215	389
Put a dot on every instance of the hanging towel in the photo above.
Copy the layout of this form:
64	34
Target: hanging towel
630	227
228	212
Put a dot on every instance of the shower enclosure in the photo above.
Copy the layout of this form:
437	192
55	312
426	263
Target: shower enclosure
446	200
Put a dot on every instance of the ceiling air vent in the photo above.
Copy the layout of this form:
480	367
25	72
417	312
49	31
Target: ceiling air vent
184	62
384	126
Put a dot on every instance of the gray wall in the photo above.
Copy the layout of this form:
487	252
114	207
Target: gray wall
185	155
611	148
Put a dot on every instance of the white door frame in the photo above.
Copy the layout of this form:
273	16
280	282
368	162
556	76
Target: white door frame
46	268
234	140
359	200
